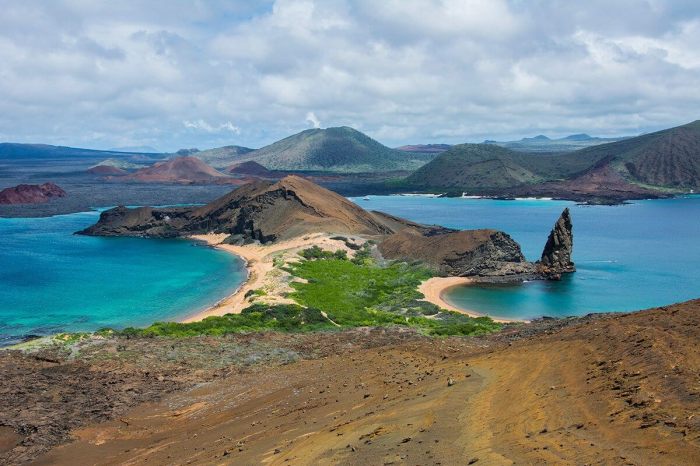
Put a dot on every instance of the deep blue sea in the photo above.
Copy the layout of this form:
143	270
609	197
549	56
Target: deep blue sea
628	257
53	281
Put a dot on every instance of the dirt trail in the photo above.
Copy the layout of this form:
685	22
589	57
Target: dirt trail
613	390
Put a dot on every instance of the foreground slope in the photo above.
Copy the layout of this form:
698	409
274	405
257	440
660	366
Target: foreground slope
606	389
341	149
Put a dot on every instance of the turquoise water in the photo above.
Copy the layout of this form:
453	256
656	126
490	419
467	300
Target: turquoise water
53	281
628	257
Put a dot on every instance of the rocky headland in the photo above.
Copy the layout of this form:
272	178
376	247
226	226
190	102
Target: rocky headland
266	212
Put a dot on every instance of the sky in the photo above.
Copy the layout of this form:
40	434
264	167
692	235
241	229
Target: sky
172	74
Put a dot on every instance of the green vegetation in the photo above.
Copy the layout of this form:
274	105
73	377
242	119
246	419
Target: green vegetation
316	252
337	293
258	317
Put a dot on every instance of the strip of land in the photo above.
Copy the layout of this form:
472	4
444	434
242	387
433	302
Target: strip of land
262	273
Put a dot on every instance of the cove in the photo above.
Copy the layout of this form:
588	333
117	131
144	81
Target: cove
54	281
628	257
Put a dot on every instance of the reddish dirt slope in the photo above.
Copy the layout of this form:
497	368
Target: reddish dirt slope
30	193
618	389
178	170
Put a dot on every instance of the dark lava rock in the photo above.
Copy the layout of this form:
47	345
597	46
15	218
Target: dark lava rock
556	256
30	193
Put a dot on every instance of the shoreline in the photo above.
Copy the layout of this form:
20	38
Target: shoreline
260	268
435	288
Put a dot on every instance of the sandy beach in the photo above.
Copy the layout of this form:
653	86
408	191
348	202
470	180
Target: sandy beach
434	288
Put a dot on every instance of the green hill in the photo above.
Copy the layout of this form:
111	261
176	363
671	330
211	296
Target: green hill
341	149
668	159
219	157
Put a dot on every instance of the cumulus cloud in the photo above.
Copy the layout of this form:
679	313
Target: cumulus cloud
311	118
177	75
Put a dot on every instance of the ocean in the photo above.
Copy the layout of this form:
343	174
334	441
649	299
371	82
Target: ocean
628	257
54	281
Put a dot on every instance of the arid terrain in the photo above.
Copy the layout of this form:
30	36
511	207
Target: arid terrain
603	389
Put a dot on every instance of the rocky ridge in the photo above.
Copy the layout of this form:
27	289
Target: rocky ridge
267	212
259	211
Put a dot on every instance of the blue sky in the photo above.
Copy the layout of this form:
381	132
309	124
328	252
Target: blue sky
173	74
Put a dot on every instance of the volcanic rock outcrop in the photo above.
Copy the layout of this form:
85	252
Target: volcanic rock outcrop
486	253
262	211
30	193
556	256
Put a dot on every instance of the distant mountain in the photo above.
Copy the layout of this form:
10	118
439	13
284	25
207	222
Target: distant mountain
11	150
341	149
644	166
178	170
221	157
486	166
665	159
542	143
250	168
425	148
107	170
137	149
124	164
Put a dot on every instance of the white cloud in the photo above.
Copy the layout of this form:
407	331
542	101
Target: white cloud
204	126
311	118
179	74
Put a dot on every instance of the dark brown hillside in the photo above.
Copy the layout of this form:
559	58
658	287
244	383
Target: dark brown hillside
263	211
